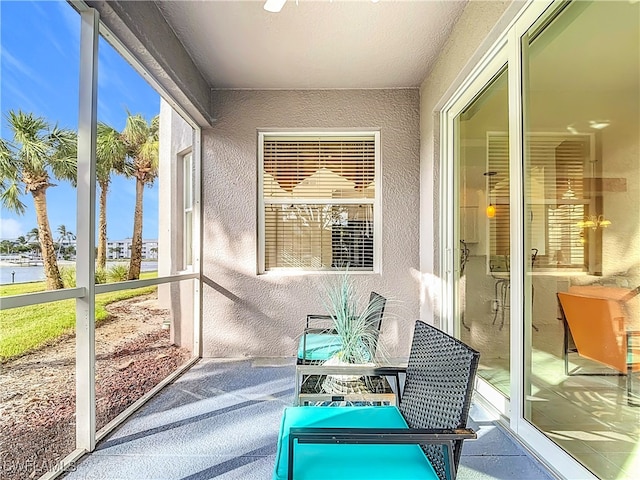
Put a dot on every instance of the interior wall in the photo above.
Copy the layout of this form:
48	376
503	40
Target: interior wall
479	26
617	153
245	314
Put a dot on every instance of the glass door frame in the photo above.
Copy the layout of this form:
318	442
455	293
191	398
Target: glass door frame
510	50
489	68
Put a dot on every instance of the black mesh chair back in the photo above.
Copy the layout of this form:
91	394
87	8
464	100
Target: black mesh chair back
438	387
374	318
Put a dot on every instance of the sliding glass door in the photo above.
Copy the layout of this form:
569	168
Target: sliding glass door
582	211
483	284
541	181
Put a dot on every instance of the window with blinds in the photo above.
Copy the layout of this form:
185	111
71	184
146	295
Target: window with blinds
318	201
555	192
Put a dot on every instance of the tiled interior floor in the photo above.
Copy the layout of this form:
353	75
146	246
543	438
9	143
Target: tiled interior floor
221	418
587	415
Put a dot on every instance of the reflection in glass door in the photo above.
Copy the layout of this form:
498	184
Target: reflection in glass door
582	212
483	283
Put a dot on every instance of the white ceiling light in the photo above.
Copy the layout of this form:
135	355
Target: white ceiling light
274	6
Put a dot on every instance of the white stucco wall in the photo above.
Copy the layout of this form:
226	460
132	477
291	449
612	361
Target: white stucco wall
177	296
245	314
479	26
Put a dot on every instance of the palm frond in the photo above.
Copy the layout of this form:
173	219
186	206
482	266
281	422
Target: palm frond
64	141
155	128
64	155
8	165
111	152
128	169
10	198
135	133
26	126
65	168
149	152
29	139
142	146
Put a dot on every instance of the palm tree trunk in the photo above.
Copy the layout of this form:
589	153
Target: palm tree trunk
136	240
51	271
102	227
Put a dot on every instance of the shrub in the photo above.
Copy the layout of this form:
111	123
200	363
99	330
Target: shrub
101	275
68	275
118	273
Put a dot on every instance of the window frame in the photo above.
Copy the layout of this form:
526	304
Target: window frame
376	202
185	191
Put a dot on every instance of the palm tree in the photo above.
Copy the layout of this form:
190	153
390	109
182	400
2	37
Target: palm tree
64	235
20	244
141	140
32	235
36	152
32	238
6	246
111	153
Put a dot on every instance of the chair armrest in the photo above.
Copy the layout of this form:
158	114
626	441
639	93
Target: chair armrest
373	436
391	369
313	317
320	330
356	369
380	435
631	294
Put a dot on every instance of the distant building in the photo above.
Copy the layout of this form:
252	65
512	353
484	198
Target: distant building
121	249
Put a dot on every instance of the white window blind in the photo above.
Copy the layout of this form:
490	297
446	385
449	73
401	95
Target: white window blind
555	193
318	197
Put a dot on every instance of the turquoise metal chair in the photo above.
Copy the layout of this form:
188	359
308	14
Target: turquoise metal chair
318	345
420	439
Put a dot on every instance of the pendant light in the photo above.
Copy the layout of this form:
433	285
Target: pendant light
491	209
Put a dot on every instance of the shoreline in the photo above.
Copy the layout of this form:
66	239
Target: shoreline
15	273
61	263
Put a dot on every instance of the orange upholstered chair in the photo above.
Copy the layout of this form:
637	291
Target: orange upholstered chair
600	332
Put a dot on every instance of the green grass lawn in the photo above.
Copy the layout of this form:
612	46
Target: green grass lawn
27	328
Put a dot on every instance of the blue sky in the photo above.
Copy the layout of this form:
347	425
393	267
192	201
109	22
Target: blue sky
39	60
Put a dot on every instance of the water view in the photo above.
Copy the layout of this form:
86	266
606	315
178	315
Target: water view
10	273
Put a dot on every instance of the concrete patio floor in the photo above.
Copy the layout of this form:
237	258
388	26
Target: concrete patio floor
221	418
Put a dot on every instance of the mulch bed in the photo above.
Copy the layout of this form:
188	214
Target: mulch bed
38	431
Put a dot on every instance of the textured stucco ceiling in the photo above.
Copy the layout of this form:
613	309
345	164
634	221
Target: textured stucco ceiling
313	44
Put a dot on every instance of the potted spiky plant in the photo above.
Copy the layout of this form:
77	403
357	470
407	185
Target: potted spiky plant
356	330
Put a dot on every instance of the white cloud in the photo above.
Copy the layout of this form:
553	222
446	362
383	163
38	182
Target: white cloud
20	97
10	229
71	19
15	63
